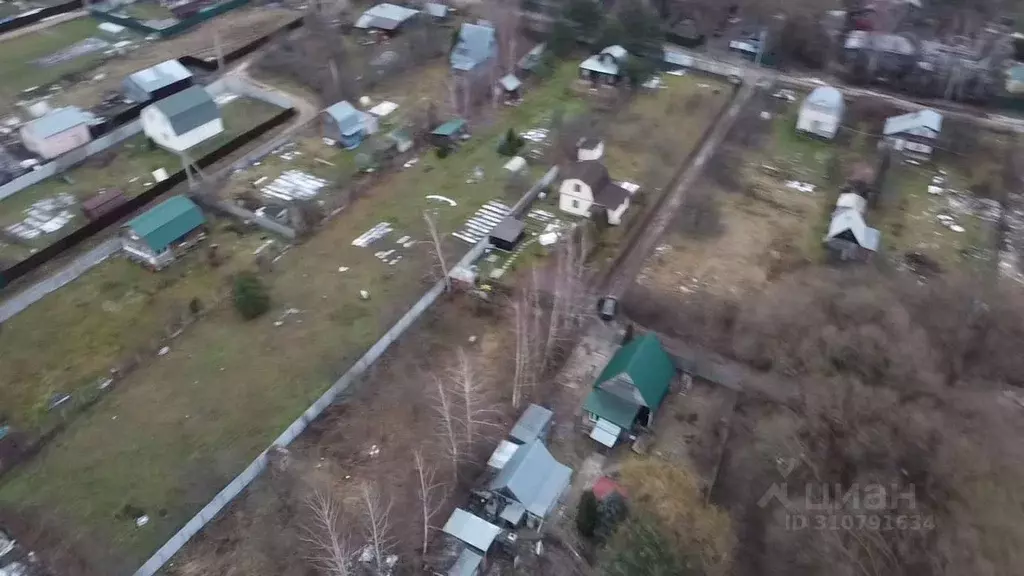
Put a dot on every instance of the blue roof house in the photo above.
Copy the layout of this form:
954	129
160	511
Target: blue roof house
477	46
347	125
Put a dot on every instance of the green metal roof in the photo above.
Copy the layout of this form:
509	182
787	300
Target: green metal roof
449	128
166	222
188	109
646	364
611	408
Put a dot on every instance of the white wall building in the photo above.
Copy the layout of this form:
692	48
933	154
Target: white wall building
587	185
821	113
57	132
183	120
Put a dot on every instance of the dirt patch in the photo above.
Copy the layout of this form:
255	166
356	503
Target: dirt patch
759	236
692	426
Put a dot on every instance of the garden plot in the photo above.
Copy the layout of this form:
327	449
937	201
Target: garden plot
759	209
131	167
181	425
931	218
43	57
112	317
478	226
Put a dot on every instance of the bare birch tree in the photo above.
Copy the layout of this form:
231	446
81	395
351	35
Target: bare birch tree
431	494
477	410
377	524
568	299
438	249
328	546
527	327
447	425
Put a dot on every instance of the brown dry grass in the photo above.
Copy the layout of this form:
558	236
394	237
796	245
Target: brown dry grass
391	410
761	236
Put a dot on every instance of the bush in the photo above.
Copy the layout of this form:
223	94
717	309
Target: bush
250	296
587	514
511	143
610	513
443	152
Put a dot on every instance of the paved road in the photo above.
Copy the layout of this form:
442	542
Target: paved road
633	261
31	295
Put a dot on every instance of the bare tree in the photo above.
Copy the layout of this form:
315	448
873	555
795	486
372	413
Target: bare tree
438	248
448	426
522	352
568	300
430	493
377	524
329	547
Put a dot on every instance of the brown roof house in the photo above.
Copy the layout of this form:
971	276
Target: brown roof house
587	187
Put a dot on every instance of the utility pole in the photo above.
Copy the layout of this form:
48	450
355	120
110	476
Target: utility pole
760	47
193	173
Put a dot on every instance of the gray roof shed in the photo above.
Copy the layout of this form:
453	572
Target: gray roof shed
926	119
58	121
477	44
346	116
533	478
471	529
532	424
436	10
188	109
467	564
156	77
385	16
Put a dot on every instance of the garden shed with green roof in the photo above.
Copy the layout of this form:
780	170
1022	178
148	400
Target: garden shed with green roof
629	390
151	235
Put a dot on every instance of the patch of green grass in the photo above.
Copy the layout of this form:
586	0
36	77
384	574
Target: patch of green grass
69	340
177	429
909	220
17	56
127	167
143	11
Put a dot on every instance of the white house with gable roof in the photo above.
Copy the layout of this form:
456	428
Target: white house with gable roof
821	113
914	134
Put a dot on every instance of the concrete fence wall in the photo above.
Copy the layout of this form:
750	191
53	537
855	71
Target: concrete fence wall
242	481
68	160
236	85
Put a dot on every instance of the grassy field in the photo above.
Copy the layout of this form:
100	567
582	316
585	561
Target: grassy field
117	312
182	425
18	55
911	224
127	167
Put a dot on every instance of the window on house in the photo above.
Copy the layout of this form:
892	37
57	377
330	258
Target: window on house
592	417
575	203
577	187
